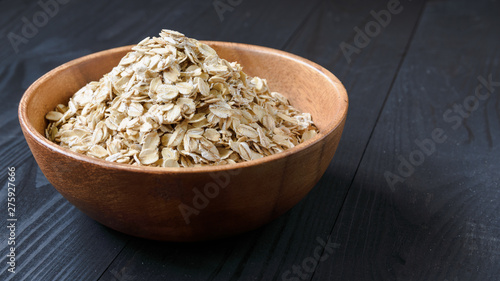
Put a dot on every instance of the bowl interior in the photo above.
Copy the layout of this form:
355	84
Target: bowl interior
308	86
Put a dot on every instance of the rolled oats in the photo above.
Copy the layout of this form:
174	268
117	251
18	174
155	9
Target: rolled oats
173	102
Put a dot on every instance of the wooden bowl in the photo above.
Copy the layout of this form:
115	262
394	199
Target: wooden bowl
189	204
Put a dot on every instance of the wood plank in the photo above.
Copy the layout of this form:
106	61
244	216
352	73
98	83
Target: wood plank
375	66
266	253
53	241
441	222
64	38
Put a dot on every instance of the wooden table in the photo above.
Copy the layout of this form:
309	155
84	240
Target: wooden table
412	193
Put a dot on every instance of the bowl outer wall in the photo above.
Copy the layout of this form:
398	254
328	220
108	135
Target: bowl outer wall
144	201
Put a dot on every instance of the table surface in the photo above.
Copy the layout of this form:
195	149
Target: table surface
412	193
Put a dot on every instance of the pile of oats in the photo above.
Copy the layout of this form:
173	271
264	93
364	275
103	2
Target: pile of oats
173	102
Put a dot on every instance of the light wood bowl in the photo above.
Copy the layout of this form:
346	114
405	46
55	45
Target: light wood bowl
145	201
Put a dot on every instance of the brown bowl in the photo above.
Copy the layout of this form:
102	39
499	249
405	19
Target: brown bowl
188	204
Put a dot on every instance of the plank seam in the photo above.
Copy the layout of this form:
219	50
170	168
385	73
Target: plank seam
398	68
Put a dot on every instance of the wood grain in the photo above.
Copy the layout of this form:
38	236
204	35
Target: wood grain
267	253
247	194
51	233
70	35
441	222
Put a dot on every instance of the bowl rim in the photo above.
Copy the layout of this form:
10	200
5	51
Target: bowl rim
42	140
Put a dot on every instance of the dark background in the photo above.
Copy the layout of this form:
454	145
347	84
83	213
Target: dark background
410	78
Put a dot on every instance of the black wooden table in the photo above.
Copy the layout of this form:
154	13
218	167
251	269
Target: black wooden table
412	193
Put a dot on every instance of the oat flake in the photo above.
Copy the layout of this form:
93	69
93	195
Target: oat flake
173	102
